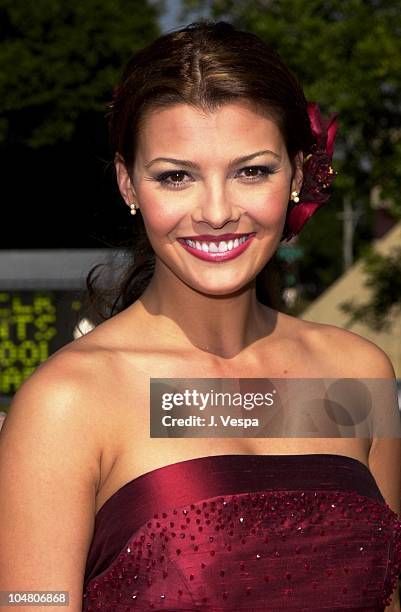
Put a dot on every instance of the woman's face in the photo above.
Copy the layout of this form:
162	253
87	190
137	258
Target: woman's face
201	190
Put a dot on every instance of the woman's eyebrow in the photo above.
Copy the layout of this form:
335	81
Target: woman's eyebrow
190	164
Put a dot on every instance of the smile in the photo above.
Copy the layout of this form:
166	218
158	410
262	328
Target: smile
217	251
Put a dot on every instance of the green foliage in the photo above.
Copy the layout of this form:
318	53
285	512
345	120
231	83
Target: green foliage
383	278
59	60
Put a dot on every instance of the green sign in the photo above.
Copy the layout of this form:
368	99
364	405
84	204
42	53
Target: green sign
33	325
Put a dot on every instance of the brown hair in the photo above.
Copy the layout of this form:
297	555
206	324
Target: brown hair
205	64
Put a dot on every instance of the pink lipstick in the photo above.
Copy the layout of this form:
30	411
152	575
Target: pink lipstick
208	255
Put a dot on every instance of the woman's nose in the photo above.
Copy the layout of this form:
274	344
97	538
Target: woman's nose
217	207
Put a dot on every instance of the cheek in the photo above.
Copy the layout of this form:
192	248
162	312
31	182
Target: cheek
160	214
269	209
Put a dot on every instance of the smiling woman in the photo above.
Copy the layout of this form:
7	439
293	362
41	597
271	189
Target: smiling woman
218	157
218	194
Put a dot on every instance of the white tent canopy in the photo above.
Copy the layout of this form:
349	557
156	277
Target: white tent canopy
51	268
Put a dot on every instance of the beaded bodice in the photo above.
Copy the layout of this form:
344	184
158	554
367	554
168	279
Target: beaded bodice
240	532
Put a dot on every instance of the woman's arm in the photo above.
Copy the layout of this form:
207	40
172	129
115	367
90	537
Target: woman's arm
49	473
385	461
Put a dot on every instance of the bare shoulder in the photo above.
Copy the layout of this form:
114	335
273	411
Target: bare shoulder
72	372
65	397
345	353
57	398
350	355
104	377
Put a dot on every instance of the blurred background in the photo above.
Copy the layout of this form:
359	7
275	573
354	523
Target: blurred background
61	211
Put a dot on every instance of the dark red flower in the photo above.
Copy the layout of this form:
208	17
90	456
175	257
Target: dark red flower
318	172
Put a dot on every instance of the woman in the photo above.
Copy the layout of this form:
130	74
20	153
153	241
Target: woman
214	143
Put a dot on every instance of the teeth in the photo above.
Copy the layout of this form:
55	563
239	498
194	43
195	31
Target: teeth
216	247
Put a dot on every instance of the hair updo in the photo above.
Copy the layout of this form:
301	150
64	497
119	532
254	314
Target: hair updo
205	64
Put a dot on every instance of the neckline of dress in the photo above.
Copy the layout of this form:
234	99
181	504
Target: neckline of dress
309	456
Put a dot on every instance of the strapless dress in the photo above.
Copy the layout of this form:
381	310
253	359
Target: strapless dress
246	532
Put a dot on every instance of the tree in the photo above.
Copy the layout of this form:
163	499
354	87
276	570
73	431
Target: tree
59	61
384	279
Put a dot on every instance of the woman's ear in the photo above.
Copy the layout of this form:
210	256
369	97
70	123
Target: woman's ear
124	181
298	172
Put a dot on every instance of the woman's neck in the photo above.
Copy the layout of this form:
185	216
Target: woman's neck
221	325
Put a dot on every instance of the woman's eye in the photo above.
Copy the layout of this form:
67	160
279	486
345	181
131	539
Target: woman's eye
175	175
265	171
163	178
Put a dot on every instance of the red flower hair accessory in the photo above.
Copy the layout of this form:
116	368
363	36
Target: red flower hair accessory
318	172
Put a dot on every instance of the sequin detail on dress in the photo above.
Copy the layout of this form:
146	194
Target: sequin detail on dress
295	549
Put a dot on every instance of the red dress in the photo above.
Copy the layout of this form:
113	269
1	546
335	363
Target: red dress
246	532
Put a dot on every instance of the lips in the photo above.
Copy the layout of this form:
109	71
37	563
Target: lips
199	248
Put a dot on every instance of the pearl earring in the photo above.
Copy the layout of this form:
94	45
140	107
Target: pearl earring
295	197
133	208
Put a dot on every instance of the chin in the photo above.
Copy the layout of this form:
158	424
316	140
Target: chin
220	290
